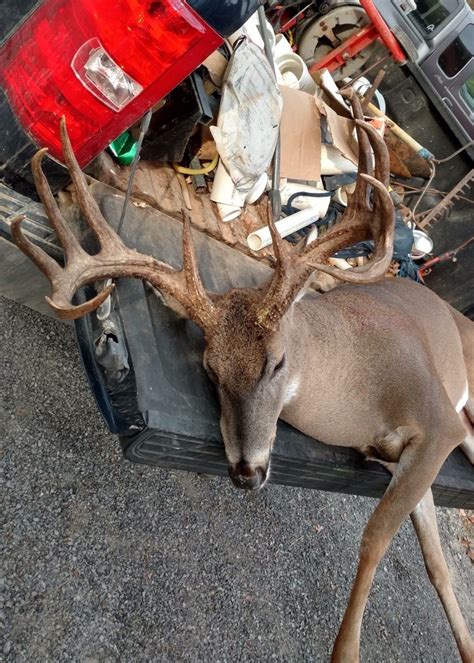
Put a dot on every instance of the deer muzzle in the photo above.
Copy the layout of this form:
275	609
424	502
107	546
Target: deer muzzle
248	477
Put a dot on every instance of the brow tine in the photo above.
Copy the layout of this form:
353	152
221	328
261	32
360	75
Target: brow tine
42	260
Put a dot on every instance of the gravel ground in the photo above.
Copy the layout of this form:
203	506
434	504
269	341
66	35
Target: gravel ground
109	561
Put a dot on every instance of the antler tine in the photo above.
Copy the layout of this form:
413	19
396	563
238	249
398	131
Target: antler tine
198	297
114	260
365	161
42	260
65	235
360	221
108	239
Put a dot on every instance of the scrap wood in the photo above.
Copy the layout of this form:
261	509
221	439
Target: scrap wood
216	65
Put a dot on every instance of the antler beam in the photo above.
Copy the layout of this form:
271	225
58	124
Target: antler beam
363	219
114	259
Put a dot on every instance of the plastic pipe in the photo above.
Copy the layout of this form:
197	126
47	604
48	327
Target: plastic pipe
292	63
282	45
258	188
340	195
229	200
319	204
262	237
228	213
334	163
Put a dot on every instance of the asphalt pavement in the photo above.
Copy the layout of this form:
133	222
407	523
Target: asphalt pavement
108	561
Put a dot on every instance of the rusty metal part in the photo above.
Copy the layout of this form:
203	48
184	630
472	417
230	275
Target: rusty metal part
374	65
443	207
369	95
425	269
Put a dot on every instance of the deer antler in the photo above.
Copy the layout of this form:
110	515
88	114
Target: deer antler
113	260
361	220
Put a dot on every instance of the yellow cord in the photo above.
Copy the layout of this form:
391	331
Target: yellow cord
197	171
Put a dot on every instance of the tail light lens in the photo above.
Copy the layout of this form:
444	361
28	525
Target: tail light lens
101	64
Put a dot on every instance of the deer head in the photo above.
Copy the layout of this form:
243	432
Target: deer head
246	330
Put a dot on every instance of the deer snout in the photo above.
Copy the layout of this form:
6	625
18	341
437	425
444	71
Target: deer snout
247	476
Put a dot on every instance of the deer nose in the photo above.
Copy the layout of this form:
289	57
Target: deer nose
247	477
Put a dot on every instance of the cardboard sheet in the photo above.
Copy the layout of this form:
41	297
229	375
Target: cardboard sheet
341	131
300	136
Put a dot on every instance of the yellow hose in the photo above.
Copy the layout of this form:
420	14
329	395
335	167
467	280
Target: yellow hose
197	171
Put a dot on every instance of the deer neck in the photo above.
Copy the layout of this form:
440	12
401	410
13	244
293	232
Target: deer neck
324	394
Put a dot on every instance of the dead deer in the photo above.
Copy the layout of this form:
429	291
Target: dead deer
392	365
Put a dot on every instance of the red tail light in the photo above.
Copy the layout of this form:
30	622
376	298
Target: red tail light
101	64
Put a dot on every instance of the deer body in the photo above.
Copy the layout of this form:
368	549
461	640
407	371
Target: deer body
362	357
385	368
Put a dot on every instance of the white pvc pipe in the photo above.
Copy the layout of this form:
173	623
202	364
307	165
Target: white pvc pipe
228	212
262	238
258	188
340	194
320	203
223	189
282	45
292	63
334	163
228	198
229	201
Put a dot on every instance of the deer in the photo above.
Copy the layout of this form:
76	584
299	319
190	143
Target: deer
392	364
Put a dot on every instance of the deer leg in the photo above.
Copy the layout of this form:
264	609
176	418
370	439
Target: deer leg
416	470
426	527
424	521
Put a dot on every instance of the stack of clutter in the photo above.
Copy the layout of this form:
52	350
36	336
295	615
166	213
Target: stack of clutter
315	140
319	150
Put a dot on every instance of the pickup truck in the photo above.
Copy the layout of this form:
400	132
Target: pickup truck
142	361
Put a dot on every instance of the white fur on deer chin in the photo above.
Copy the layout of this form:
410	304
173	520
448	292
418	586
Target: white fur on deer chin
291	391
